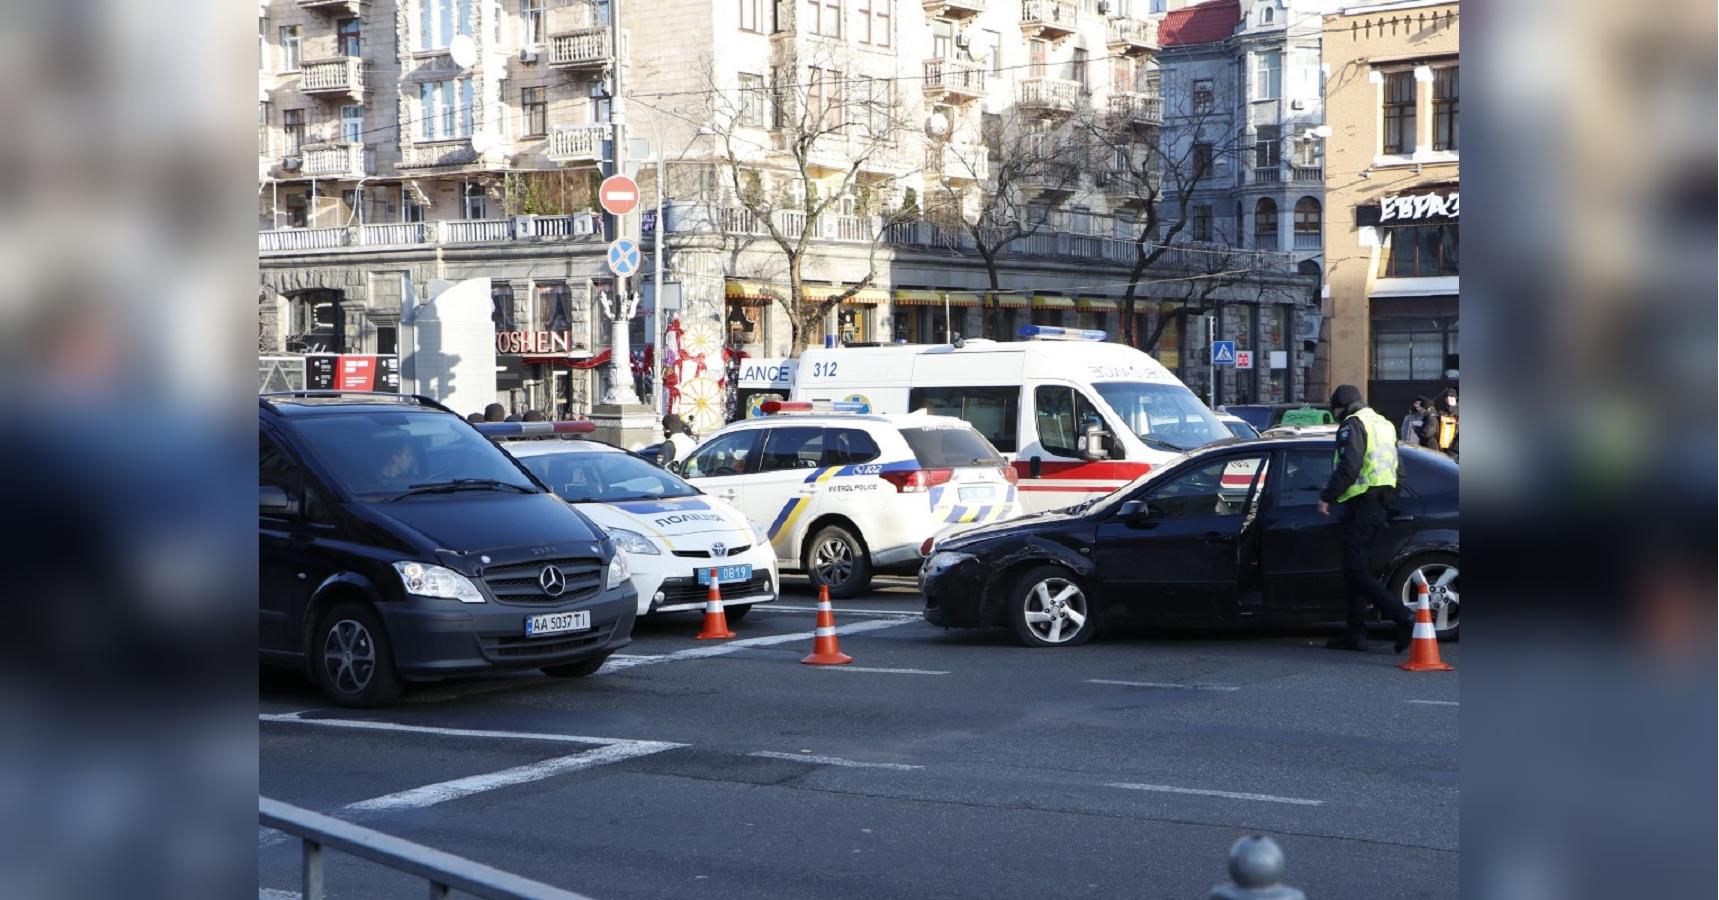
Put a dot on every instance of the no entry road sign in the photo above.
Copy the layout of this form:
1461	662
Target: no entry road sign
618	195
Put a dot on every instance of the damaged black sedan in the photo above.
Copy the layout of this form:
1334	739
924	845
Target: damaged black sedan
1229	534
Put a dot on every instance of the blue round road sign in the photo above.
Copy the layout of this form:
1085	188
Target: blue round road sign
623	257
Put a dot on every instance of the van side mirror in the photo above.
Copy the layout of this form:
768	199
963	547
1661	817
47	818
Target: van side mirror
1134	511
1093	442
272	500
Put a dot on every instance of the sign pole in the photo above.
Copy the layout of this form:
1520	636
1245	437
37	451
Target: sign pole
659	402
1211	363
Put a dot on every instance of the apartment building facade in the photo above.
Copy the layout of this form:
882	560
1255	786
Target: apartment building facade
1393	189
409	143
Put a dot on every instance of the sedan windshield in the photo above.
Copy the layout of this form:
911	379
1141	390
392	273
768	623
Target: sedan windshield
1164	416
583	476
392	454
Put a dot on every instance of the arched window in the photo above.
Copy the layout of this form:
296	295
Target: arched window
1265	16
1309	224
1265	224
1240	229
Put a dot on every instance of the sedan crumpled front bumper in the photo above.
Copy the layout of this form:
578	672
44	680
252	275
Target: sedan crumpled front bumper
955	594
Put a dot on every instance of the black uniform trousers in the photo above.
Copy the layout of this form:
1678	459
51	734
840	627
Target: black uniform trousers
1363	518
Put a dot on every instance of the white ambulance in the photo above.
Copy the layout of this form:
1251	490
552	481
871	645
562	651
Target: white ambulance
1077	416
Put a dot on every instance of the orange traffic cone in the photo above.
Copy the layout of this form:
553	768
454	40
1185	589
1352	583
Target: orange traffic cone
715	620
826	650
1423	650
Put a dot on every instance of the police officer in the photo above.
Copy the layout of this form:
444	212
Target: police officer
1364	483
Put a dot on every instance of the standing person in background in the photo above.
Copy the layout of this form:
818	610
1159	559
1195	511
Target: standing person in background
495	412
1364	483
1414	423
1441	431
475	418
533	415
677	441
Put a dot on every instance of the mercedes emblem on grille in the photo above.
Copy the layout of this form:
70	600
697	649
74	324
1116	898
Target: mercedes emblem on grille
718	550
552	580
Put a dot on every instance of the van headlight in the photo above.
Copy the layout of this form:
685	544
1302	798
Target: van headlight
759	532
425	580
620	569
633	542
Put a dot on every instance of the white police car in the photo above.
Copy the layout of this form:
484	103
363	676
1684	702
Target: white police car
845	494
673	533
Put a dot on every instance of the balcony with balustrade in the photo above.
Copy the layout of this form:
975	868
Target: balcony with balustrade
1049	19
583	43
1133	108
1058	96
437	154
953	9
335	7
1130	189
1131	37
956	162
340	77
338	160
954	81
577	144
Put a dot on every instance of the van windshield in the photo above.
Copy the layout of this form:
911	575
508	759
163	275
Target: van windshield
1164	416
388	454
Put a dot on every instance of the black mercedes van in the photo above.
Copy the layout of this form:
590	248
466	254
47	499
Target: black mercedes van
396	543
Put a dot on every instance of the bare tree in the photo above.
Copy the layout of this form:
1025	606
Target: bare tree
794	152
1003	188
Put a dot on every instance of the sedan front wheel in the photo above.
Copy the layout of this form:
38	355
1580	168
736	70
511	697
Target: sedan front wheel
1050	609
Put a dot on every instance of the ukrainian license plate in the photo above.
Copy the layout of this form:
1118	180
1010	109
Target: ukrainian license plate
557	623
978	494
727	574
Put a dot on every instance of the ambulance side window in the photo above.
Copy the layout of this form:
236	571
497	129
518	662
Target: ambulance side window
1061	414
848	447
992	411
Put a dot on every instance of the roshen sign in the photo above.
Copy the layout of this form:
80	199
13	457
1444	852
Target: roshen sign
547	342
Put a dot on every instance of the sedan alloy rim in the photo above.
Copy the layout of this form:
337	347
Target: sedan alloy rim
833	561
349	656
1055	610
1442	596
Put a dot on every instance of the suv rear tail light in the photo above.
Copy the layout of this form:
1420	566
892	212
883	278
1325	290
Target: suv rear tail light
1010	475
917	480
925	547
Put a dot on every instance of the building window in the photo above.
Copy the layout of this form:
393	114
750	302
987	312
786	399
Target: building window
1080	220
874	22
1413	349
262	45
854	323
994	40
1265	16
292	47
440	20
263	128
410	209
1268	80
475	198
1202	95
1268	147
942	39
554	307
1203	222
1159	6
445	109
292	128
752	100
1077	68
1309	224
879	103
1399	137
535	103
749	14
298	211
1202	160
1444	109
825	17
1036	50
348	38
501	306
352	124
1419	251
1265	224
531	22
1122	75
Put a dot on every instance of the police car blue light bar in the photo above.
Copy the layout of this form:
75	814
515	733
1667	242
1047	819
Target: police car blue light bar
777	407
1054	333
533	429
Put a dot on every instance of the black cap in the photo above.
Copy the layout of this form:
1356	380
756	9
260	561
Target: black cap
1346	399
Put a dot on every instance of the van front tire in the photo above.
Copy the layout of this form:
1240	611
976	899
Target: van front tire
351	658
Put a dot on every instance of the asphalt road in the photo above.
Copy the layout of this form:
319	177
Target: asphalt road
946	764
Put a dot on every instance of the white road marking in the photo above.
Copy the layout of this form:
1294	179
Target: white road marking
450	732
888	671
272	894
442	792
1232	795
616	664
834	761
771	607
1161	684
634	655
1436	702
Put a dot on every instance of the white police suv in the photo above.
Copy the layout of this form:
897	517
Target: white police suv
673	533
845	494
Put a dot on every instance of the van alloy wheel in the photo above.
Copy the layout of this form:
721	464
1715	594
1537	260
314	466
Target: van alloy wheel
349	654
1055	610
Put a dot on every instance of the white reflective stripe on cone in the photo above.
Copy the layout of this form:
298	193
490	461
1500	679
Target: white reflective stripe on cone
826	632
1424	632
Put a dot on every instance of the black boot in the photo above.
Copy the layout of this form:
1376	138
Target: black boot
1347	641
1405	635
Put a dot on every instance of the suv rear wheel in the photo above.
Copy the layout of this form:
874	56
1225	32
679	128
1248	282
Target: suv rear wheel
351	658
838	559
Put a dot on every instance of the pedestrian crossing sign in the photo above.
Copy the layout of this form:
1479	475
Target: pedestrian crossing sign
1223	353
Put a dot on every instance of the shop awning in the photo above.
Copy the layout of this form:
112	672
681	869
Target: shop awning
963	299
863	297
1098	304
1047	301
752	293
935	298
1013	301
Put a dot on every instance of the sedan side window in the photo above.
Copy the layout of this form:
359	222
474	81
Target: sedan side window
729	454
1305	473
1219	488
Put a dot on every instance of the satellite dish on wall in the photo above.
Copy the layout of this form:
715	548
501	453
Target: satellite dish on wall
463	51
937	125
482	142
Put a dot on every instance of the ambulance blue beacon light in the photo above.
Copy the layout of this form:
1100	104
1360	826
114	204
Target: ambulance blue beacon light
1054	333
